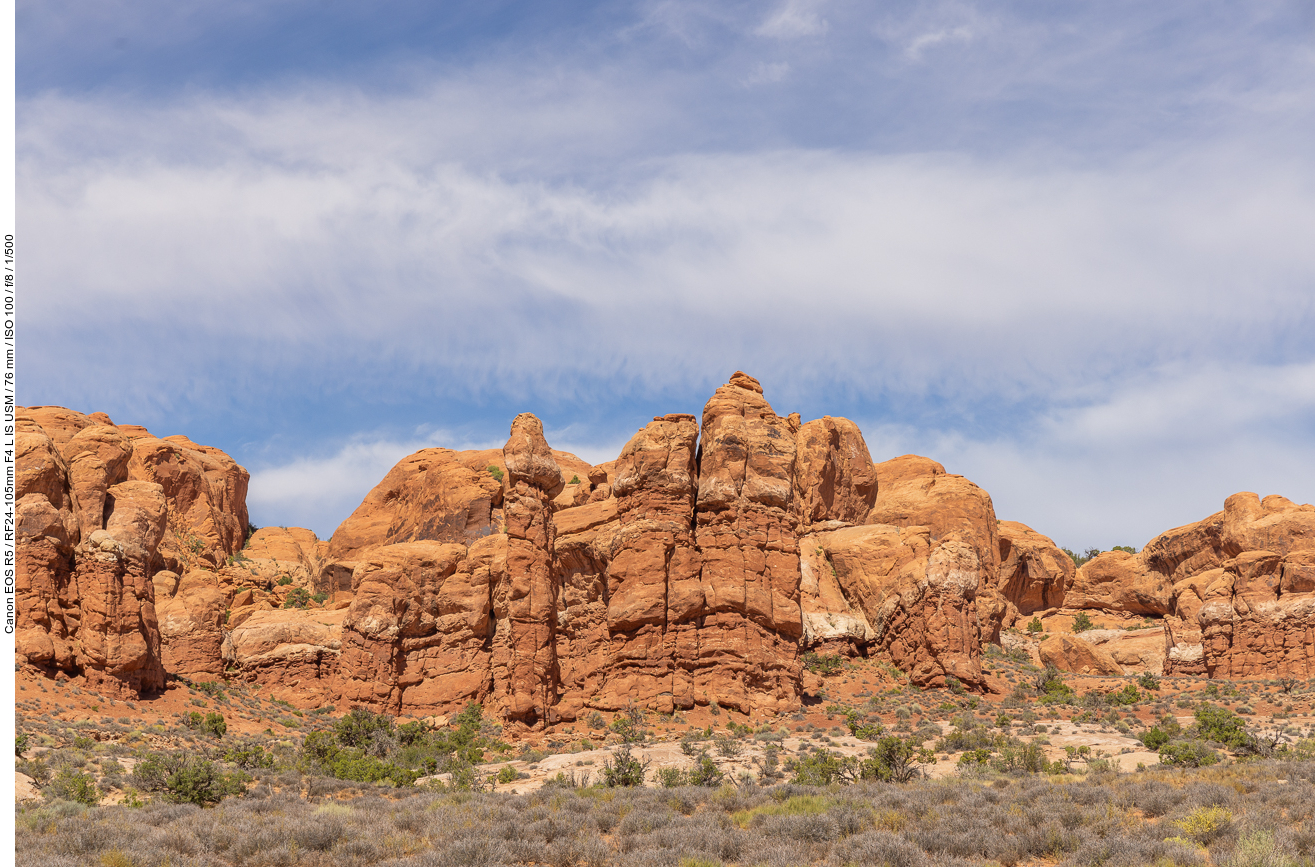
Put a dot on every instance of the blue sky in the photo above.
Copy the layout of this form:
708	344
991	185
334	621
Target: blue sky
1065	249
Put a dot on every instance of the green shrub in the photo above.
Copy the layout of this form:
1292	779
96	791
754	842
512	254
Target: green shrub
507	774
350	763
671	778
182	778
862	730
1050	686
20	744
298	597
284	581
823	664
1148	681
1214	723
575	480
822	768
1128	695
210	688
1188	754
1163	732
214	724
625	727
1128	548
705	773
358	727
495	472
974	757
250	756
1082	622
895	760
73	785
1034	625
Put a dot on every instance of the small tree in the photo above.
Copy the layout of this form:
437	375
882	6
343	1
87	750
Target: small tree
623	769
897	760
357	728
1082	622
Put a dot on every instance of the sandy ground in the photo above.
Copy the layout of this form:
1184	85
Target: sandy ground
44	706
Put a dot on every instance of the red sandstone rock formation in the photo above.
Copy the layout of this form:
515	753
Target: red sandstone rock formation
293	653
916	596
1070	653
525	606
915	491
102	509
1234	589
692	569
436	495
647	567
1119	581
1034	572
417	633
745	533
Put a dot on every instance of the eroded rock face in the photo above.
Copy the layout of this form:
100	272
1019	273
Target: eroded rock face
1257	619
916	596
1034	572
1234	589
1070	653
1119	581
525	604
751	622
914	491
417	634
206	492
294	653
192	621
435	495
834	478
101	510
652	590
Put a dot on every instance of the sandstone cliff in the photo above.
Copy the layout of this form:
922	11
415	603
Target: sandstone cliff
102	509
695	568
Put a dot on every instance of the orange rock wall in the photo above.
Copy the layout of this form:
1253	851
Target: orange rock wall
101	510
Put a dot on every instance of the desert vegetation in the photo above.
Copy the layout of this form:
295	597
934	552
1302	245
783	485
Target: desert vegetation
1244	813
1062	770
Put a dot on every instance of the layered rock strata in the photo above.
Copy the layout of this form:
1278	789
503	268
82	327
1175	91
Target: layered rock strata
101	510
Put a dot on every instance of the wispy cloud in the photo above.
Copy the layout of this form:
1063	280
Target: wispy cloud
794	19
921	43
1005	233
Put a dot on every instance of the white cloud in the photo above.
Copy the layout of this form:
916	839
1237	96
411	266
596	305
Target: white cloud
921	43
892	271
794	19
1155	453
1060	323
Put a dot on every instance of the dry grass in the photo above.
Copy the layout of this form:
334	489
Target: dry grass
1259	812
